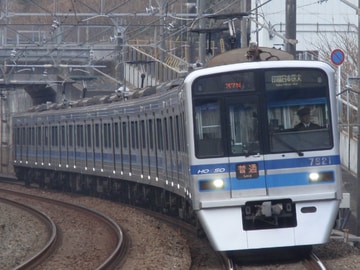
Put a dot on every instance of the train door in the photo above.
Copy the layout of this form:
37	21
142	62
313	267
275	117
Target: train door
38	145
246	160
70	158
151	147
97	150
62	144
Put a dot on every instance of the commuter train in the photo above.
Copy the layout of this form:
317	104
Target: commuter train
219	144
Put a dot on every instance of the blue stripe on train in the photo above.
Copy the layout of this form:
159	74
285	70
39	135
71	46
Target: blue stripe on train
317	161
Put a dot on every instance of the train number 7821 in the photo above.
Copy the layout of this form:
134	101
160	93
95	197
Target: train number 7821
320	161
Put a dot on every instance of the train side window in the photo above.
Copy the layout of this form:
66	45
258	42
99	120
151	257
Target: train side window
116	134
178	136
97	135
88	135
17	136
151	133
172	135
183	133
71	135
79	135
125	134
46	136
33	131
107	135
143	134
166	134
39	136
159	134
31	136
28	136
134	135
62	135
54	136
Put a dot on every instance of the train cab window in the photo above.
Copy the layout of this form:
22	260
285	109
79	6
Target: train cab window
300	127
244	126
298	111
208	134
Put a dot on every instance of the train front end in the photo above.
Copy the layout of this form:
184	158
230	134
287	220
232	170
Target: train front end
261	178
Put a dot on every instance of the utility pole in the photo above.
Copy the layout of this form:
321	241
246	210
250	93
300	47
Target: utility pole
202	36
291	26
163	13
358	138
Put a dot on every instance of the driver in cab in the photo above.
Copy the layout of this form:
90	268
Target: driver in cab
304	117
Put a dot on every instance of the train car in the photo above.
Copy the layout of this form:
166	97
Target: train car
224	143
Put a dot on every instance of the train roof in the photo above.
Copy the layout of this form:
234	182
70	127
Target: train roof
249	55
107	99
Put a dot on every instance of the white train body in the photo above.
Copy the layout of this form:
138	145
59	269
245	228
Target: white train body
272	194
223	140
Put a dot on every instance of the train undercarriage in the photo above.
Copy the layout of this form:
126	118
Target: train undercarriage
136	194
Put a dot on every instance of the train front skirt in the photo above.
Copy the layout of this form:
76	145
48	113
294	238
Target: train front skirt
225	227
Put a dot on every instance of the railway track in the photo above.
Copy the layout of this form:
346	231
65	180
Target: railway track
305	262
50	230
220	261
313	263
101	244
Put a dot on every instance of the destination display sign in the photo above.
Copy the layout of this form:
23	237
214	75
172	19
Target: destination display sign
294	78
286	80
233	85
224	82
247	170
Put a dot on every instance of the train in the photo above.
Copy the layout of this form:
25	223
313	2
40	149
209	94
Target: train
217	147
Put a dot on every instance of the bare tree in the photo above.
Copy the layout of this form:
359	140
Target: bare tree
347	42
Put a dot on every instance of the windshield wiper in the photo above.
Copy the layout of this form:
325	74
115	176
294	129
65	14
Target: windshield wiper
288	146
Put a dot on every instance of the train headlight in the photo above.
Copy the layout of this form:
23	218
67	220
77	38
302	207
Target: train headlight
218	183
316	177
215	184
